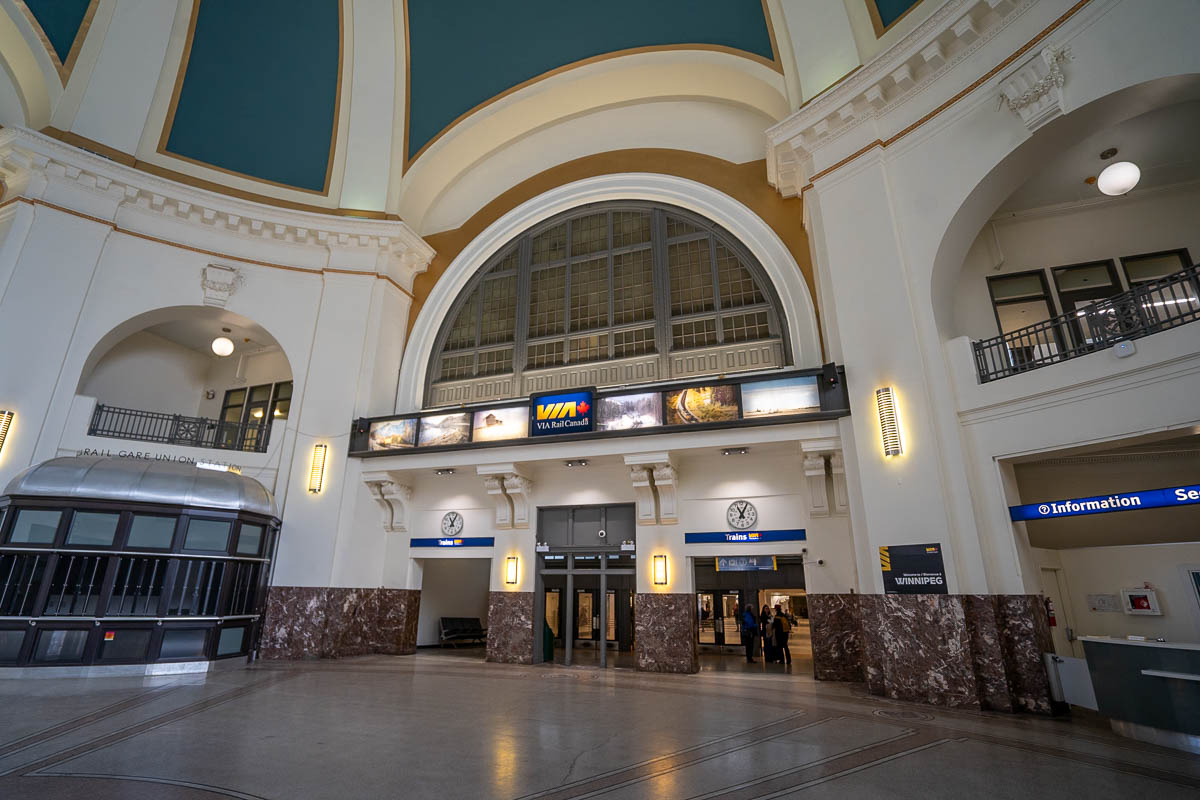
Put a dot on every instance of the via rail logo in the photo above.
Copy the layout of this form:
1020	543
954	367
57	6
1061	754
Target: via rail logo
569	412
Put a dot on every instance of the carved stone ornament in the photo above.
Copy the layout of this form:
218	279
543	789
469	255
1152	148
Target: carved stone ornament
219	284
392	499
814	477
1034	91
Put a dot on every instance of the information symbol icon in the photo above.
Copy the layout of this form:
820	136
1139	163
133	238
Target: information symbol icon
1043	509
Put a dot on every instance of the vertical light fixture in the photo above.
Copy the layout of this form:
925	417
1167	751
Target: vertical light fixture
889	421
660	570
6	418
510	570
316	478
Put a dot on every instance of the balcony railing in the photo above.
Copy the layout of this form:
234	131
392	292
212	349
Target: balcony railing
1147	308
151	426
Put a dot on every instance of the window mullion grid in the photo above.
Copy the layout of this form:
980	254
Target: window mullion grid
521	334
609	327
661	287
566	337
716	284
478	327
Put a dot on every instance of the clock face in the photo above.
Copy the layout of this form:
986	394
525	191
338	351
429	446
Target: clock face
452	523
741	515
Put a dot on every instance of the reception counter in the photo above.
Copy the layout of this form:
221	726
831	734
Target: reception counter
1149	690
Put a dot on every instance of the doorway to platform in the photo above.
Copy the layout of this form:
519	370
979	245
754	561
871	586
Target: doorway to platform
725	586
586	582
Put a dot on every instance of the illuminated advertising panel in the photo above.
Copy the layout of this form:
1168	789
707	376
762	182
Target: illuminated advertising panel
445	429
779	397
393	434
498	424
627	412
701	404
562	412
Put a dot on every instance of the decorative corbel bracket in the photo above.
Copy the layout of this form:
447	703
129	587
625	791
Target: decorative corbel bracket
392	498
655	480
814	479
219	283
504	507
1034	91
511	492
837	468
519	490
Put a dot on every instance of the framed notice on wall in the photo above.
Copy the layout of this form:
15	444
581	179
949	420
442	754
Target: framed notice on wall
913	569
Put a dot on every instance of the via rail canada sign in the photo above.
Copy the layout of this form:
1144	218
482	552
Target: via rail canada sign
1102	504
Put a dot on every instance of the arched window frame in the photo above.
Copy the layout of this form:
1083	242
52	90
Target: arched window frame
519	254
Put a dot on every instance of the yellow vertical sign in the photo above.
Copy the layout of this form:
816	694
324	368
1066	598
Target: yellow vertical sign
885	560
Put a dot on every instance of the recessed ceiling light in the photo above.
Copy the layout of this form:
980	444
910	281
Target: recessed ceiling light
1119	178
1107	154
735	451
445	471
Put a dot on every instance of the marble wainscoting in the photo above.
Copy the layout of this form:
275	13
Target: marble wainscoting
335	622
963	651
510	627
666	630
835	623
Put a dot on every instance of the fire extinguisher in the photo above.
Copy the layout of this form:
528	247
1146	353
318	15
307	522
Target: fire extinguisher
1050	612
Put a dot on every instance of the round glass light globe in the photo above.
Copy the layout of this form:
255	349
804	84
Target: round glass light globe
1117	179
222	346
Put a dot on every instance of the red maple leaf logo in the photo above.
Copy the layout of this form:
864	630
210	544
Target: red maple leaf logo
583	407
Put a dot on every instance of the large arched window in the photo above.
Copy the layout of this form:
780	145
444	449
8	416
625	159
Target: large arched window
607	294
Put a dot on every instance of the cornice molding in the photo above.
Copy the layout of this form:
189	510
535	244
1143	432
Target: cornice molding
942	41
30	162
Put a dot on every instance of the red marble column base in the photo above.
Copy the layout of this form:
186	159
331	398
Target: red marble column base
666	629
510	627
334	622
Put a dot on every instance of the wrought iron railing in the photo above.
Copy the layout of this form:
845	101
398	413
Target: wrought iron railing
151	426
1147	308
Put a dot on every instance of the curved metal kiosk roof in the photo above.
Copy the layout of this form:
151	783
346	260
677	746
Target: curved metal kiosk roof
136	481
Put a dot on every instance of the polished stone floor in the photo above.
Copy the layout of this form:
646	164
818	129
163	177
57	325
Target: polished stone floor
437	725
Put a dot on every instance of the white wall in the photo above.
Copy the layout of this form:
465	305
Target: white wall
452	587
1108	570
150	373
1161	219
822	41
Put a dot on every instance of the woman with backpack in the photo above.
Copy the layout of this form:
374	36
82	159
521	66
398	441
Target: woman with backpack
749	632
782	627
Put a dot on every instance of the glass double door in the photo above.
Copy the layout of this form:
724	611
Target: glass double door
720	612
585	622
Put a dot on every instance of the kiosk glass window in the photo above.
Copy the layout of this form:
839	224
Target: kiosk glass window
33	526
90	529
152	532
207	534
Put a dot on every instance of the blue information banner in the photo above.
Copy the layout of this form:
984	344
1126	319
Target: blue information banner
745	563
1102	504
742	537
468	541
563	412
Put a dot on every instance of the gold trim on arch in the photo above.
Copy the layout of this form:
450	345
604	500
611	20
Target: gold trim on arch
169	122
64	70
877	20
773	63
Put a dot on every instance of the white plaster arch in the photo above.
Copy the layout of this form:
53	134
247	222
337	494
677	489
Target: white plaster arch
744	224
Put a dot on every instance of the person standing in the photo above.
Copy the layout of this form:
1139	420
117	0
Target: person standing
749	632
764	625
783	629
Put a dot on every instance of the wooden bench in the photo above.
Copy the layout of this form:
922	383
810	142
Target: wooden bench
462	629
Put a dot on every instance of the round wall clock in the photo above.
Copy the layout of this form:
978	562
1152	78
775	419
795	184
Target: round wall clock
741	515
452	523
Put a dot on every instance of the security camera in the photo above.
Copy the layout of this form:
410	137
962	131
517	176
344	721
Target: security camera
602	533
820	562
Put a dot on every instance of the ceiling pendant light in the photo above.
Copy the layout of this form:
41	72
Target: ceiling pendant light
1119	178
222	346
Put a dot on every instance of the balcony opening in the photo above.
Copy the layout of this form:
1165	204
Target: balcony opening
165	381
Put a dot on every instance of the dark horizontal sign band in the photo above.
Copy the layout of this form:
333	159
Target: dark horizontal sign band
460	541
744	537
746	564
1103	504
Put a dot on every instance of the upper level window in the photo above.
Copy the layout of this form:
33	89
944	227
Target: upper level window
604	295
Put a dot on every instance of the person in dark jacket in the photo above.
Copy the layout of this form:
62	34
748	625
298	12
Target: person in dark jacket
768	634
782	629
749	632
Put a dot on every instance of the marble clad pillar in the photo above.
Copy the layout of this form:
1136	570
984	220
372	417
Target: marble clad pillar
335	622
666	629
963	651
510	627
835	624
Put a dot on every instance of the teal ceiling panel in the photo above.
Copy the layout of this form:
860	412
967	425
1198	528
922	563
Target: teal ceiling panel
463	54
892	10
260	91
60	21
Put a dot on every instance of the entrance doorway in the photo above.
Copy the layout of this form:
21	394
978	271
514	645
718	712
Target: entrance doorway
722	597
586	579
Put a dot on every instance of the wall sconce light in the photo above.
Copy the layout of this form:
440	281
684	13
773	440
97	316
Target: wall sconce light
510	570
316	478
660	570
889	421
6	418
